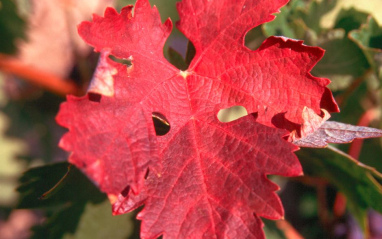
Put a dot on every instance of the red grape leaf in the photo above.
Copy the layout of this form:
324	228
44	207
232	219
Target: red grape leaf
207	178
214	179
336	133
112	138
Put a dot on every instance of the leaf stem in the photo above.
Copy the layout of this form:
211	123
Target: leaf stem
289	231
323	213
342	99
35	76
49	193
339	207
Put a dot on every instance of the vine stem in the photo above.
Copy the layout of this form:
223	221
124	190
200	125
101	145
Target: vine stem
289	231
37	77
365	120
350	90
320	184
339	207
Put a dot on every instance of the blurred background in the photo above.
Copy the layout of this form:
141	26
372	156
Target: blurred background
42	59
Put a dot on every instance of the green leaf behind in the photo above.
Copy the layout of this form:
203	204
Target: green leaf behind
12	26
75	209
369	39
358	182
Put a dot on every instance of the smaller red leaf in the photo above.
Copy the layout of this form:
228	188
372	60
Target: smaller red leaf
103	82
312	122
336	133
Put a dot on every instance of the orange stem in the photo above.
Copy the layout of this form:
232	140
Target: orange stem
289	231
43	79
339	207
341	99
310	181
366	119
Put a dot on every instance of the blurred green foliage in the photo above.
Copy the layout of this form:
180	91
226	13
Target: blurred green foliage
353	61
12	27
75	209
358	182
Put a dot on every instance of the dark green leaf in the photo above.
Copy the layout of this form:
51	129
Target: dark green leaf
286	22
75	209
312	14
343	60
358	182
12	27
369	39
176	59
350	19
32	120
76	188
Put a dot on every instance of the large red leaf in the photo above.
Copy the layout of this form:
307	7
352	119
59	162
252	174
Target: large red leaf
207	178
214	179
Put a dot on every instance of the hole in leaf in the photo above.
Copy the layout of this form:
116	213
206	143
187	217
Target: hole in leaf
176	59
147	173
125	191
126	62
190	53
180	53
232	113
94	97
161	124
254	38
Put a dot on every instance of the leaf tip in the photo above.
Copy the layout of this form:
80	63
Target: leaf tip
112	198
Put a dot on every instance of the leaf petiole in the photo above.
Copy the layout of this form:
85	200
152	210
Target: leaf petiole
51	191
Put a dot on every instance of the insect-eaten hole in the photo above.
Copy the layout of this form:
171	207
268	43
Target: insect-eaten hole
254	38
123	61
177	57
190	53
232	113
94	97
125	191
147	173
161	124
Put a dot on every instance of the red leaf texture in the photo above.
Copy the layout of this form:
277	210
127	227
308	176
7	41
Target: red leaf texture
207	179
214	179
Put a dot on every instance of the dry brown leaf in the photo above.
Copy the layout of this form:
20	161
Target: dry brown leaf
337	133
